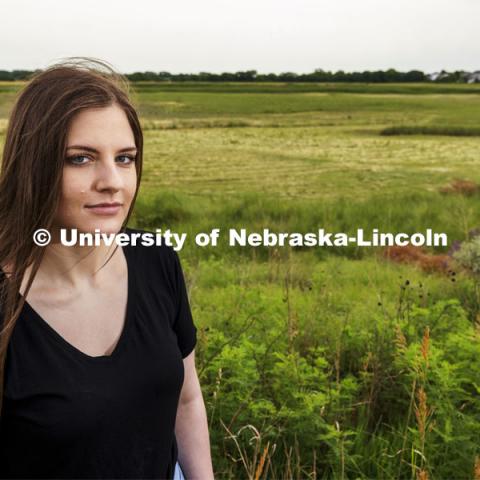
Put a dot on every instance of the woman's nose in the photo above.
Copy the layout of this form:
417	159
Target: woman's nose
108	175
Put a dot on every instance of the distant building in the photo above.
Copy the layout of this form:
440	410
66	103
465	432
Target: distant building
473	77
437	75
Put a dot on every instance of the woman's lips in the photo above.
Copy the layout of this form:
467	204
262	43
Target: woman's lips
110	210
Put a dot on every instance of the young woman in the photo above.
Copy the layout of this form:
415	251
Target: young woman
98	375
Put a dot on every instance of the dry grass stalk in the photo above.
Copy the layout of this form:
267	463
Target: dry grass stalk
476	468
422	475
261	463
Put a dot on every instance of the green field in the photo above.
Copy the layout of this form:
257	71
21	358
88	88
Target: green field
322	362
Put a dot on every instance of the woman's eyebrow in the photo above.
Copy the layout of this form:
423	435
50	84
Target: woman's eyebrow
94	150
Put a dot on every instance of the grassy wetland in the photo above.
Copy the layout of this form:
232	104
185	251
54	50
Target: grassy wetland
325	362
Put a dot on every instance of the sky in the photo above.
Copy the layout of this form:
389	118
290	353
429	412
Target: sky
270	36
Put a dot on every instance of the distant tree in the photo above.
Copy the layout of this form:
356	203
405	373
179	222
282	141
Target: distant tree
287	76
415	76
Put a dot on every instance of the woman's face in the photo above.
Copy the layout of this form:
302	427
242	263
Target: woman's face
99	168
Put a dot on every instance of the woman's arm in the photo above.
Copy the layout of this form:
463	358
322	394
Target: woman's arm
191	427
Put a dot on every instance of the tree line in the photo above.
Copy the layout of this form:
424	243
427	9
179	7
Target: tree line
318	75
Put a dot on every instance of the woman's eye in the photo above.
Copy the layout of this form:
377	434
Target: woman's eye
129	159
74	159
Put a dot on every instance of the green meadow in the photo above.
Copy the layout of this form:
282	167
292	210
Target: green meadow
323	362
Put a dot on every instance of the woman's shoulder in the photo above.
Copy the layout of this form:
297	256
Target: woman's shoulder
155	264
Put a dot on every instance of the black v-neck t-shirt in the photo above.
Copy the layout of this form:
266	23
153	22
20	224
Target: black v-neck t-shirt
70	415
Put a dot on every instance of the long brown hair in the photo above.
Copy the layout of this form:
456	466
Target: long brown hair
32	166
